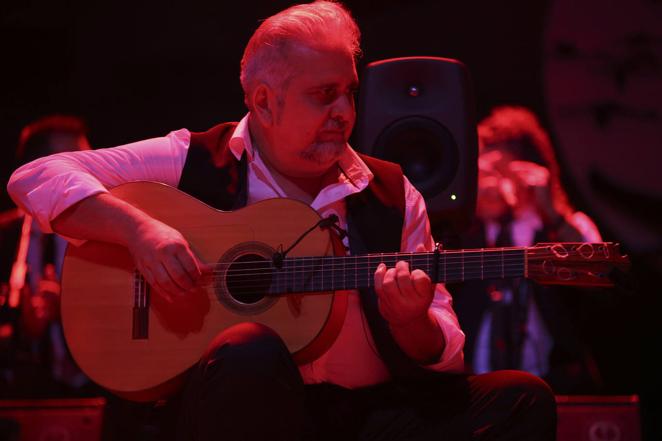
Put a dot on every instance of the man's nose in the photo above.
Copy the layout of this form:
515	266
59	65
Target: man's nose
343	108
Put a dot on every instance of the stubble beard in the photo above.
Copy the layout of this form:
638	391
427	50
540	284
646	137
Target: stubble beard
322	153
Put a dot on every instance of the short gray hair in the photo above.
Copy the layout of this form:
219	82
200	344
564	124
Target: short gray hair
318	25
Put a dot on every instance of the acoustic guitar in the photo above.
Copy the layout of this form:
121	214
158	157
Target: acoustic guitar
138	344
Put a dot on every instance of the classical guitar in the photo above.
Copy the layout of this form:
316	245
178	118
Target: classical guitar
138	343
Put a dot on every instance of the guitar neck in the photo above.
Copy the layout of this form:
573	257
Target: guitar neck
315	274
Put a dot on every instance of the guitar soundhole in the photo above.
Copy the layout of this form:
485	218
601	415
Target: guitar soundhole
244	278
248	278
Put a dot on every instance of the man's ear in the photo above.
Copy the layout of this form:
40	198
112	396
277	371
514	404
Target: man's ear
263	101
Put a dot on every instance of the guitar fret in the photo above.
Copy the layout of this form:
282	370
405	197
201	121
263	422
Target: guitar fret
282	276
482	267
428	269
293	276
432	269
276	279
344	274
289	277
502	264
356	272
300	274
337	272
310	276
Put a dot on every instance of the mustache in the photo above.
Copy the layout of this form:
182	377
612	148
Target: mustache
336	125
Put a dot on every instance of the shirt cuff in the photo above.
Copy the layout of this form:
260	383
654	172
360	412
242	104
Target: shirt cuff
452	358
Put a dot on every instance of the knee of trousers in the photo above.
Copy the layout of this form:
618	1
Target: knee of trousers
246	375
248	348
529	390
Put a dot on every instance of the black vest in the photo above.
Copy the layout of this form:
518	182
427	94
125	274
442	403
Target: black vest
375	216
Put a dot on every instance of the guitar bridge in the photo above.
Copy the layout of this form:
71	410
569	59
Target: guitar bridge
140	319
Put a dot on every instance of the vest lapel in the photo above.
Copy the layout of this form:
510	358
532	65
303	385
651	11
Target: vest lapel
211	172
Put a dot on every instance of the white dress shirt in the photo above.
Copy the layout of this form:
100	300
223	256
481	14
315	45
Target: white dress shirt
48	186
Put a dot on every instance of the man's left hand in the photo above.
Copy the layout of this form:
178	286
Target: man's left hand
404	296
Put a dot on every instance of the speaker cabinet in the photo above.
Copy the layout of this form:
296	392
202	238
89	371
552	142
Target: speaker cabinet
419	112
61	419
598	418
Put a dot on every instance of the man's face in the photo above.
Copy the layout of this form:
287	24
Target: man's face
315	115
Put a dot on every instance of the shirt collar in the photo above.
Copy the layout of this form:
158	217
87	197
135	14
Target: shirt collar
354	170
240	140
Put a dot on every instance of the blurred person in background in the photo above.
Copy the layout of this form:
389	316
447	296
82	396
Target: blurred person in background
36	362
514	324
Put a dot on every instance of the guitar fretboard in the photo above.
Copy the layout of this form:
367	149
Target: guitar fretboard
313	274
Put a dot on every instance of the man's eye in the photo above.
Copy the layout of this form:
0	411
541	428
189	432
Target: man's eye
327	95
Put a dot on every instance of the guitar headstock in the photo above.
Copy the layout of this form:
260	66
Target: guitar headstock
575	263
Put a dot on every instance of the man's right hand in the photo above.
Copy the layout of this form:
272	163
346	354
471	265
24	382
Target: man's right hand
161	253
165	259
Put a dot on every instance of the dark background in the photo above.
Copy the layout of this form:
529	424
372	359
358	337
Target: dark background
143	70
140	70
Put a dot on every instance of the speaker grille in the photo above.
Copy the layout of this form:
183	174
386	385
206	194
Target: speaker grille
424	148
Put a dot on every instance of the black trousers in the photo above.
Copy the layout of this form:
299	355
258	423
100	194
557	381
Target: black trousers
247	387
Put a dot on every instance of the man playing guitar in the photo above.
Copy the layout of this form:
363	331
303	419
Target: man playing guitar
392	371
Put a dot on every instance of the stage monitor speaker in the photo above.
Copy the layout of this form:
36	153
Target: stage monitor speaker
598	418
419	112
58	419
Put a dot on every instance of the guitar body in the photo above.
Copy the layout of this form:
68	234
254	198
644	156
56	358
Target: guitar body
138	343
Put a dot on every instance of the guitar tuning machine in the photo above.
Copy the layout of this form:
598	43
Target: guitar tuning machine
559	250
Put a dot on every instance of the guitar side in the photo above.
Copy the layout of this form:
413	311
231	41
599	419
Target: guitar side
138	343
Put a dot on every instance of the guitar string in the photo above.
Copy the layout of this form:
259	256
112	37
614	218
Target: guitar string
342	269
337	261
334	266
529	251
353	271
401	255
334	260
260	283
327	278
306	289
348	266
339	270
265	267
321	287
